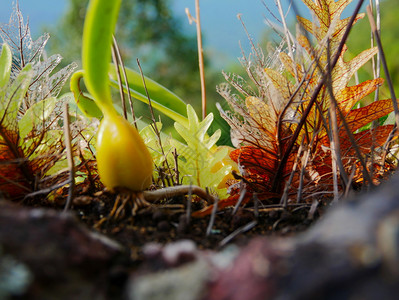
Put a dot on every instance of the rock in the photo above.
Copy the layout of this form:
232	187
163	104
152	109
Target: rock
15	277
352	253
63	259
176	271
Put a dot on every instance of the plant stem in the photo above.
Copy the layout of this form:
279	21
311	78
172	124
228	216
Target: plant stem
99	26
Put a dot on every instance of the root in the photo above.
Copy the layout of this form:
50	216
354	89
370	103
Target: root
181	190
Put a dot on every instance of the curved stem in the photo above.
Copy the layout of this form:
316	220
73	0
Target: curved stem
86	104
98	29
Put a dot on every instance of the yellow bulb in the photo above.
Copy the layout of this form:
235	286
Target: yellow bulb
123	160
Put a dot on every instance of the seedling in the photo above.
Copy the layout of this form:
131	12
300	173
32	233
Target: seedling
123	160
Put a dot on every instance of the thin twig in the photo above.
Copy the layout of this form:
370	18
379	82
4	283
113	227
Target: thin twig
284	198
377	73
312	209
47	190
351	137
374	29
384	64
287	36
155	127
177	172
239	201
129	96
334	141
12	181
189	199
376	63
149	100
212	219
238	231
118	74
351	175
197	21
201	58
71	165
305	160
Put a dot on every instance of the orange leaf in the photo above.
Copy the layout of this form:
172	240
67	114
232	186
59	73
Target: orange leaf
350	95
344	70
230	201
13	183
360	117
365	140
256	161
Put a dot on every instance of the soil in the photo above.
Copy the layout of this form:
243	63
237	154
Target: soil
167	222
158	252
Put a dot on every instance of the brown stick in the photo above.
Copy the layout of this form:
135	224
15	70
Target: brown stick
71	166
179	190
384	64
200	58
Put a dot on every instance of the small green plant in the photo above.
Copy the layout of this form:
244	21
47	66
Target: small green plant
123	160
126	162
31	138
196	161
200	158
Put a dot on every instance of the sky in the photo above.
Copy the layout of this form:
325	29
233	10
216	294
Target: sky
222	31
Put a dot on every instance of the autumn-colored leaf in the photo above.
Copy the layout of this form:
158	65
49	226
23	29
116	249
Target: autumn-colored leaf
231	201
275	129
13	181
357	118
365	139
350	95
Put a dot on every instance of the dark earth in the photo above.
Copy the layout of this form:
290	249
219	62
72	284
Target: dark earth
351	251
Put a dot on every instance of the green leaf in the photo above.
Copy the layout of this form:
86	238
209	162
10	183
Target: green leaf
211	142
162	99
58	167
199	157
12	100
37	113
5	65
152	142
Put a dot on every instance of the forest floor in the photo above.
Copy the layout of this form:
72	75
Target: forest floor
168	222
88	254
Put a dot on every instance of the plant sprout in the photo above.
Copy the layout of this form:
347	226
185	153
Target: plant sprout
123	160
